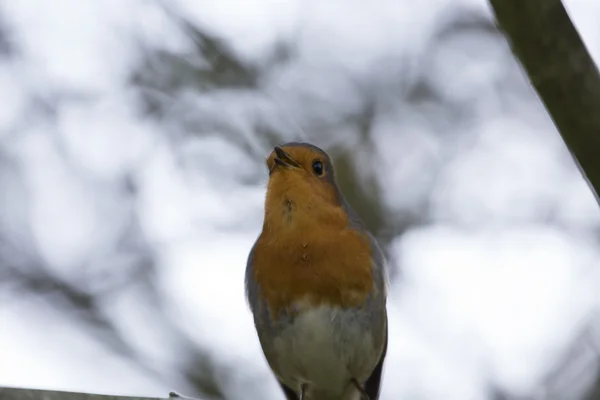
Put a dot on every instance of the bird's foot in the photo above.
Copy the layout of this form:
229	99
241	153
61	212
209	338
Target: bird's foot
363	394
303	389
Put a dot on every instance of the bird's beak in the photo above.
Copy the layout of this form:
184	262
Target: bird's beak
283	159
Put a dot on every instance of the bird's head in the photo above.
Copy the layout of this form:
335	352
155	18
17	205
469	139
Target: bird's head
302	184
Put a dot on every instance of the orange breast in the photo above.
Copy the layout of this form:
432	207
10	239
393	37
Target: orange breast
313	265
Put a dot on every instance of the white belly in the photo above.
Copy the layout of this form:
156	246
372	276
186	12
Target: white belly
325	348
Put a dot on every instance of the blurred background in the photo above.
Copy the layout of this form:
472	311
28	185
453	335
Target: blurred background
133	135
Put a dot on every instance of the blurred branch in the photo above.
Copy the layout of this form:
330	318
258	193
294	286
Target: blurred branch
32	394
572	374
77	302
565	77
211	64
562	72
465	20
7	47
197	366
31	275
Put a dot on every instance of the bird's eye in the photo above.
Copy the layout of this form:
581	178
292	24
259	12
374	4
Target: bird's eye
317	167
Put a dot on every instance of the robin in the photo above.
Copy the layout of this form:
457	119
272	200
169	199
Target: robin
316	284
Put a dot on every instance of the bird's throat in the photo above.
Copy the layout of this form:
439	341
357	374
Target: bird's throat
288	209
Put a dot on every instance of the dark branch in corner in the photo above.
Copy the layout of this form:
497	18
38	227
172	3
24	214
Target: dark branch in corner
567	81
562	72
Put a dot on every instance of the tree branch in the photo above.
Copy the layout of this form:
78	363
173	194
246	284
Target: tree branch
34	394
562	72
565	77
38	394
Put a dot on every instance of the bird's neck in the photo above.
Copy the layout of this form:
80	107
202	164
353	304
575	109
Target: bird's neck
291	214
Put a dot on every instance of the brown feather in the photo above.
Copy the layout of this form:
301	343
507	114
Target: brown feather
307	253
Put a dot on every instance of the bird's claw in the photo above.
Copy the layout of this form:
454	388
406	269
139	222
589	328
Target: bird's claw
363	394
303	391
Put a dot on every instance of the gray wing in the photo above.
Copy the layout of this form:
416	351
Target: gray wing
250	284
373	383
380	273
252	297
257	305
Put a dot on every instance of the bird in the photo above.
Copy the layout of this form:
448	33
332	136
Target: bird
316	283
